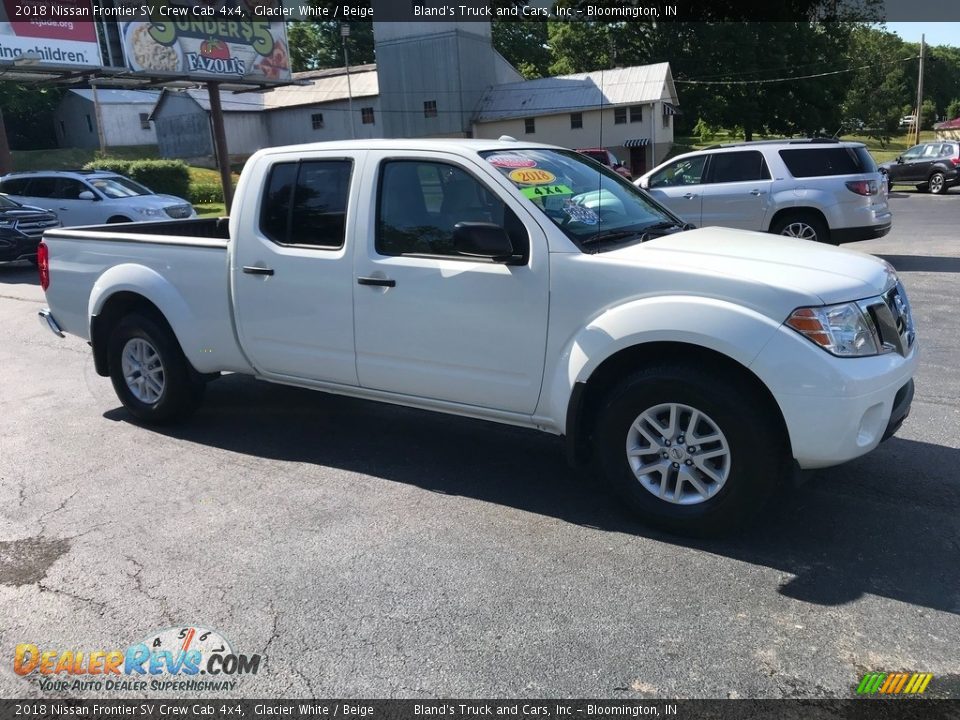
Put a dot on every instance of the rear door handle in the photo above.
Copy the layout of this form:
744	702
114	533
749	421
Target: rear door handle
254	270
690	196
376	281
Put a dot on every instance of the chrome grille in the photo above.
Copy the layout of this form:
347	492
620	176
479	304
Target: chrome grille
893	319
179	211
34	226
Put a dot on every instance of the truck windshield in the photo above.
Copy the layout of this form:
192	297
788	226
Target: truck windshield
592	205
119	187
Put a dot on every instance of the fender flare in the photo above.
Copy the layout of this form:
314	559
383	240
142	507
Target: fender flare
732	330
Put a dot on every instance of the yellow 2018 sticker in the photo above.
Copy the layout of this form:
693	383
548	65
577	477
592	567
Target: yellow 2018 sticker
540	191
531	176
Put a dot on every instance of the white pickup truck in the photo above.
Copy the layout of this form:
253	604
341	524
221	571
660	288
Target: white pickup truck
518	283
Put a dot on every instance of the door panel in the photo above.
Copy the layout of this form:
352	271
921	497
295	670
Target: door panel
293	279
449	327
678	186
737	191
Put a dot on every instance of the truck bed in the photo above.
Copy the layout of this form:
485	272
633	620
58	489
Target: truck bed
205	228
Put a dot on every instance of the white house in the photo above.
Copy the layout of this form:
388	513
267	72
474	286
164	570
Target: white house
125	115
626	110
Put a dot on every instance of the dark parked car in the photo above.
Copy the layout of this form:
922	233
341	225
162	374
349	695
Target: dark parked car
932	166
21	227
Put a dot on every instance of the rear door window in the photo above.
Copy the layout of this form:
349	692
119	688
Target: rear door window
305	203
820	162
42	187
738	167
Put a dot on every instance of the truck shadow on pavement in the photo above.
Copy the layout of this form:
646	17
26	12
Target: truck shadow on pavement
885	524
923	263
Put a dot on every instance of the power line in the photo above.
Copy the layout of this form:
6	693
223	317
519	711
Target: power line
793	77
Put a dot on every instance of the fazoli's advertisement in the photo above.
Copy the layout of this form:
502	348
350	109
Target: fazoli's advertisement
207	49
29	34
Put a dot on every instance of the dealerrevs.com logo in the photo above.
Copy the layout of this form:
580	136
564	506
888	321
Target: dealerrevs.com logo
174	659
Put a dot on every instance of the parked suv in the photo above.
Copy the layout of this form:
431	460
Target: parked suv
21	228
93	197
824	190
932	166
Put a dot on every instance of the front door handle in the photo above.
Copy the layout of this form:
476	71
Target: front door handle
376	281
254	270
690	196
755	193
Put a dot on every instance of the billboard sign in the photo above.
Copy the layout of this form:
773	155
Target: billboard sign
248	51
37	33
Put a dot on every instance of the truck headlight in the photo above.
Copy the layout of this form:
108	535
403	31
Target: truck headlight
151	212
843	330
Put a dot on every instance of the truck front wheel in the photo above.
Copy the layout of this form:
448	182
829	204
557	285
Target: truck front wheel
149	372
692	453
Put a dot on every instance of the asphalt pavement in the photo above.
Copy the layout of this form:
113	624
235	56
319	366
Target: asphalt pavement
374	551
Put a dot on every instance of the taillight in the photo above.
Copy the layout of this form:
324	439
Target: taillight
955	161
863	187
43	265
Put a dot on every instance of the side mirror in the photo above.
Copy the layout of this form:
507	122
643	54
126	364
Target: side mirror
484	240
644	183
899	158
87	195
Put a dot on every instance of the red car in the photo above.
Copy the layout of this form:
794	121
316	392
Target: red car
605	157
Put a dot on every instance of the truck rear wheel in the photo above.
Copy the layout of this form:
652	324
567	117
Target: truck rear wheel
149	372
692	453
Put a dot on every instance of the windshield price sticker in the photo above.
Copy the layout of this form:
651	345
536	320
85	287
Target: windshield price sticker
541	191
531	176
511	161
581	214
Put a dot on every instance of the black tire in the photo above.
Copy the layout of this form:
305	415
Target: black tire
756	461
937	184
118	219
182	390
785	224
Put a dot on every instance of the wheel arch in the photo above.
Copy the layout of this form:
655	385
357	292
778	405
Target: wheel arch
797	210
587	395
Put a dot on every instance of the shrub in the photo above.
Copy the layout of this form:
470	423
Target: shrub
205	192
170	177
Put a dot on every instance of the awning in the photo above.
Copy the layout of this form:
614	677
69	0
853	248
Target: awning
669	109
637	142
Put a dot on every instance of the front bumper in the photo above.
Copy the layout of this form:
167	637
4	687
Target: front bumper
835	409
16	246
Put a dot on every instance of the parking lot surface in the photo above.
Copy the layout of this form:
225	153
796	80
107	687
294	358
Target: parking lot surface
374	551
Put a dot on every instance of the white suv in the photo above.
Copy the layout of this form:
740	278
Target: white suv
820	189
93	197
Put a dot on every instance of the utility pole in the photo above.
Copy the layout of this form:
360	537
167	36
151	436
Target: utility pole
99	116
920	89
220	143
344	34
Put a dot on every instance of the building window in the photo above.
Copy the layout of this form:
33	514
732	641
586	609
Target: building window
144	121
530	126
576	121
63	129
89	124
636	113
366	115
316	121
619	116
429	108
666	120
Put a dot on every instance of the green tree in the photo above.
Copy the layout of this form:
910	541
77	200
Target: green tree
878	90
28	114
928	114
524	45
318	45
953	109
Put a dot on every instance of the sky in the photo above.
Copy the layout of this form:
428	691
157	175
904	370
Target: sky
937	33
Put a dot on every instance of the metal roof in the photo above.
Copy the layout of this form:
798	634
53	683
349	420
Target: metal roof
948	125
582	91
110	96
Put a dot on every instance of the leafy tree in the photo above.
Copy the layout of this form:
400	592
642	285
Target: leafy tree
28	115
318	45
524	45
877	90
953	109
928	114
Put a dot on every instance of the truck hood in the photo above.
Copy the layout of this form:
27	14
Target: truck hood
821	273
12	213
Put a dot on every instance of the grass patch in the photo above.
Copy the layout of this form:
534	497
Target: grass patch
211	209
